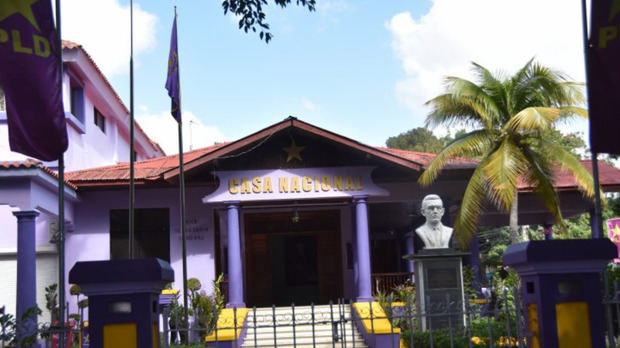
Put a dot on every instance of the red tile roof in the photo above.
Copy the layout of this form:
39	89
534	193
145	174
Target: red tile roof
33	164
148	170
609	177
164	168
154	169
426	158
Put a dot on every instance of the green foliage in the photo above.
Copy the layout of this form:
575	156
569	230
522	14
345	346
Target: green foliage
83	303
494	257
177	320
75	290
252	16
203	308
217	292
9	327
513	119
205	313
51	301
193	284
417	139
420	139
468	283
441	338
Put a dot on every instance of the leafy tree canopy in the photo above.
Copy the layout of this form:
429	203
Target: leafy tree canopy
417	139
252	16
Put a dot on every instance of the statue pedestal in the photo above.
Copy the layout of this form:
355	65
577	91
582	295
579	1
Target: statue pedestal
439	287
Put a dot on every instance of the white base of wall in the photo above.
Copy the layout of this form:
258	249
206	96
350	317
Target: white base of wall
47	274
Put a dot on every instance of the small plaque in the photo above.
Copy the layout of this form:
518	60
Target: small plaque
442	278
570	287
119	307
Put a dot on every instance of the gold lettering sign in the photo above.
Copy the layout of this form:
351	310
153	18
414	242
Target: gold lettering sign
256	185
283	185
245	185
233	186
267	188
295	184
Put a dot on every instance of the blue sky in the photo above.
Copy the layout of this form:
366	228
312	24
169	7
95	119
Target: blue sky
359	68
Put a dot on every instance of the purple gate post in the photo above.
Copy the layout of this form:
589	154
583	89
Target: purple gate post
364	284
26	270
235	271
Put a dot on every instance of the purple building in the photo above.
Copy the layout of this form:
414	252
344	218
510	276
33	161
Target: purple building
291	213
98	131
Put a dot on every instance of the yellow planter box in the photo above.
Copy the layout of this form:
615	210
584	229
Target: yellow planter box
380	324
226	326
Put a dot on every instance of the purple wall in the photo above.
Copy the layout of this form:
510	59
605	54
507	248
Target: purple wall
91	241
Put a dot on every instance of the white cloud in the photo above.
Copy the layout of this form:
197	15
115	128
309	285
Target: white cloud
499	34
327	7
308	104
102	28
162	128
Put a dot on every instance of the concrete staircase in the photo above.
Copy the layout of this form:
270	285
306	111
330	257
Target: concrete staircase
264	334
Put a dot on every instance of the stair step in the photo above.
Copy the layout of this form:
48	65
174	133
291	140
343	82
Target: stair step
324	316
300	342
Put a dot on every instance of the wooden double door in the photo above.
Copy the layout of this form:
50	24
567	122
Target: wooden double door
288	261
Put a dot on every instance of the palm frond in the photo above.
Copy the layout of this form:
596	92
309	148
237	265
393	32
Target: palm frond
471	144
530	119
569	162
568	113
502	170
464	102
472	205
539	177
450	112
494	86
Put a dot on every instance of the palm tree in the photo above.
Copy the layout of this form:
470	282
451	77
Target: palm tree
511	116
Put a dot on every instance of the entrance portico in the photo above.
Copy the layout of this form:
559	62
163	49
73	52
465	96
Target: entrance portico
300	257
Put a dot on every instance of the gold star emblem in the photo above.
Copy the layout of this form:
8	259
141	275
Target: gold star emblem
615	234
23	7
293	151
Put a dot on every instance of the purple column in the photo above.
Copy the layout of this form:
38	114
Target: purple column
364	284
409	250
235	271
26	269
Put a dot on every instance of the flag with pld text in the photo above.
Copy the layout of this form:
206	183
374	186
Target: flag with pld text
613	232
29	75
604	76
172	82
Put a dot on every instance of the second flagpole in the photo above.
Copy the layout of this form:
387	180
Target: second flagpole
182	184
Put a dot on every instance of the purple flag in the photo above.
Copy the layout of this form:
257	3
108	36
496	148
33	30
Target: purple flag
613	231
172	82
29	77
604	76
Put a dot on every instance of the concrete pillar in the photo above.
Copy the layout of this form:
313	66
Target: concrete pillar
26	269
364	285
235	269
